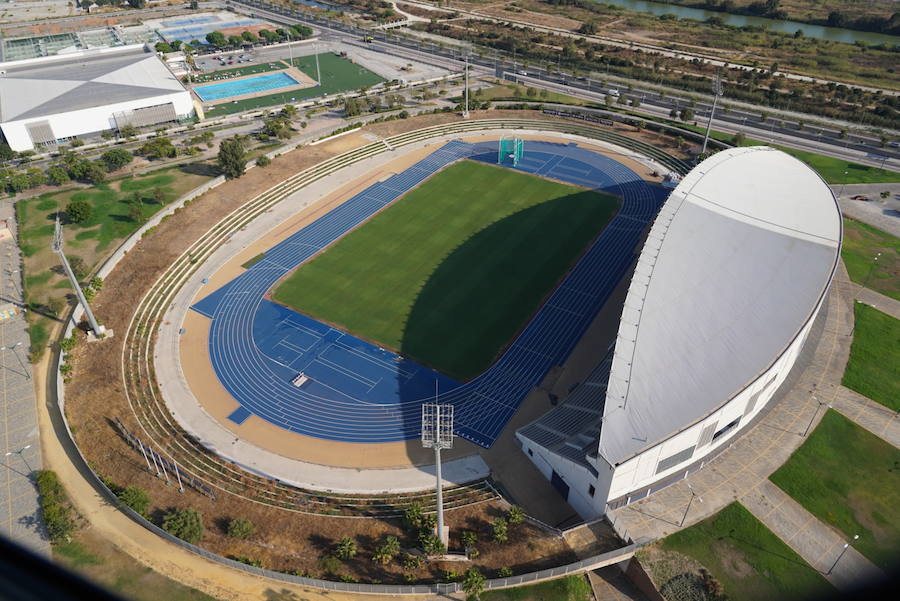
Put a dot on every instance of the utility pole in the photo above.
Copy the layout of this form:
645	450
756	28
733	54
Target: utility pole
98	330
717	91
437	434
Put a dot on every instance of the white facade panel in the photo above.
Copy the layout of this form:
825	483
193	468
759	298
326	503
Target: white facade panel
91	120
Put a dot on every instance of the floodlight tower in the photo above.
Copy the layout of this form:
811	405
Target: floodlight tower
717	91
99	331
437	434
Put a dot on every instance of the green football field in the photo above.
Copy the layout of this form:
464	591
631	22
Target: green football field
449	273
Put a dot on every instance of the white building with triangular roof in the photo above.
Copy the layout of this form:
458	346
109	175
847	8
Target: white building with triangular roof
49	100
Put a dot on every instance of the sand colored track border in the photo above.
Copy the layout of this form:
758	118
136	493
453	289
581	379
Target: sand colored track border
264	447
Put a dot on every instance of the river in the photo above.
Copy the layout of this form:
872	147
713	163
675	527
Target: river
835	34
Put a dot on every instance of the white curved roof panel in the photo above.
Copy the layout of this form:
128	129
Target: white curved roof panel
734	266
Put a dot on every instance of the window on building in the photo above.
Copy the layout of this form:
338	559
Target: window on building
591	489
673	460
728	428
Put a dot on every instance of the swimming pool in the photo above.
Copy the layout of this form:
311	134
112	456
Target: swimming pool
239	87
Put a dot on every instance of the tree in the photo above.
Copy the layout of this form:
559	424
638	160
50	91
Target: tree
232	158
473	583
216	38
128	131
413	515
79	267
588	28
289	111
687	114
137	3
249	37
163	47
352	107
57	175
78	210
136	211
235	41
673	113
186	524
346	548
116	158
134	496
158	148
159	196
88	171
240	528
194	4
6	153
739	138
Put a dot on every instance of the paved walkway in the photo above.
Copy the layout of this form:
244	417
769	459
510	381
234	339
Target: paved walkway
883	303
821	546
611	584
20	445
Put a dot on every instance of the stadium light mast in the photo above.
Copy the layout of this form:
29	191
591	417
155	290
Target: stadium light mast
437	434
99	331
318	72
717	91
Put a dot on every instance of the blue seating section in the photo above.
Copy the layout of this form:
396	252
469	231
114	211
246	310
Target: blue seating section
361	393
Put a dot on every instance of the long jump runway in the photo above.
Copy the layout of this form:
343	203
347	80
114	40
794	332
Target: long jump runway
358	392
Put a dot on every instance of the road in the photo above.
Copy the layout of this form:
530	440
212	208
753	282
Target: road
654	101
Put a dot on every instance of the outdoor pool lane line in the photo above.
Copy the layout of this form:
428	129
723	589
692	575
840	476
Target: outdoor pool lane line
242	87
256	351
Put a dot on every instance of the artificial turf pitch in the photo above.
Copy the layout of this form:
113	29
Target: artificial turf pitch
449	273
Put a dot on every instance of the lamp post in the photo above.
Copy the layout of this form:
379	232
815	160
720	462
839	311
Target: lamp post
717	91
815	413
13	348
688	508
21	455
871	269
844	550
841	193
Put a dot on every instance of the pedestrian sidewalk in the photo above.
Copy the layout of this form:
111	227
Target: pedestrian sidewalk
883	303
819	545
874	417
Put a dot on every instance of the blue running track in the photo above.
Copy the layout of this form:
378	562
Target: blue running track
358	392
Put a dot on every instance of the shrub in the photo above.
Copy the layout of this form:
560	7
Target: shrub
240	528
473	583
499	531
413	515
186	524
346	548
387	550
504	572
330	564
263	161
78	210
55	509
136	498
431	544
248	561
411	562
515	515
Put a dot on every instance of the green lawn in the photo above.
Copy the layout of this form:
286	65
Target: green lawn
832	170
862	243
568	588
338	75
449	273
746	558
874	366
849	478
110	223
106	565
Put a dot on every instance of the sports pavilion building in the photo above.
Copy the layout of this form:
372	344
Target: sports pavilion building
729	282
49	100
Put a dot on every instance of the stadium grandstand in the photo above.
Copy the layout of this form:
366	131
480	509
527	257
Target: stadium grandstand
729	282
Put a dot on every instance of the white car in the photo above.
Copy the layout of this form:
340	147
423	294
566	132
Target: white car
614	93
